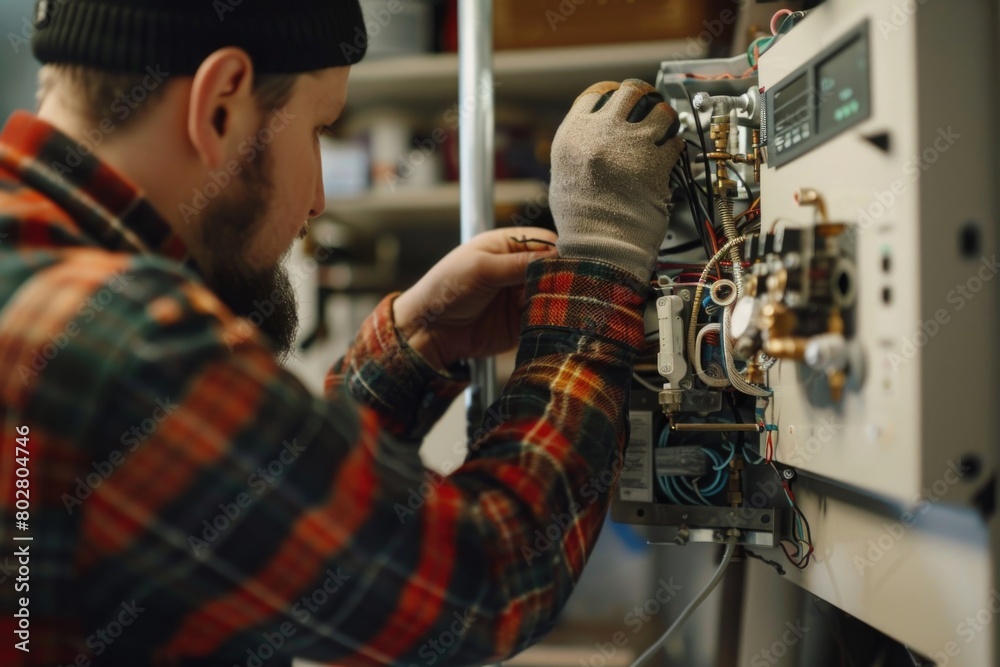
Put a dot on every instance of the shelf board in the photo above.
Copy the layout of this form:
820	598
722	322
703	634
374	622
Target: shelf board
557	74
437	206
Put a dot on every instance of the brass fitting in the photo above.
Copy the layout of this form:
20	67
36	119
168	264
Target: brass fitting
719	132
755	374
836	381
735	494
786	348
778	320
724	187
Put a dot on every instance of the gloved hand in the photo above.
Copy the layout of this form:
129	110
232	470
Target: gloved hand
611	163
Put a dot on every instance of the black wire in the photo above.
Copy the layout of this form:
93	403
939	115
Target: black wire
750	220
701	190
704	151
525	240
685	188
695	189
683	176
743	181
693	144
686	182
777	566
738	419
696	185
681	248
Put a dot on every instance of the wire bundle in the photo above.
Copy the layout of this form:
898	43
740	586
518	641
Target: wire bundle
681	490
801	532
759	46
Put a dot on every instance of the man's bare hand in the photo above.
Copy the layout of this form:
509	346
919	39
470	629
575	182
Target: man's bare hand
469	305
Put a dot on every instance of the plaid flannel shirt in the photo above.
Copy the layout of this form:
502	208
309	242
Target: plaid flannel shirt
192	503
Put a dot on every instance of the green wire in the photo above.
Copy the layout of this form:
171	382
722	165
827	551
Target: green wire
787	21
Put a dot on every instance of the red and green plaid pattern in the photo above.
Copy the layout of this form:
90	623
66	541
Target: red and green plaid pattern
192	503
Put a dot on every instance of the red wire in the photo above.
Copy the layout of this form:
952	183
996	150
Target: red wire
780	13
693	276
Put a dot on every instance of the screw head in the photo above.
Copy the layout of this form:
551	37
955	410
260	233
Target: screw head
788	473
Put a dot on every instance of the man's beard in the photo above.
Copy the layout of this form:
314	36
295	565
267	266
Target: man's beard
265	297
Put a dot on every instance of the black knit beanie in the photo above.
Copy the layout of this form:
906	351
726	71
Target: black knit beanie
126	36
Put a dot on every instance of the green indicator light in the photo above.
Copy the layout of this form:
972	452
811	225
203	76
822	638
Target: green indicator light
838	114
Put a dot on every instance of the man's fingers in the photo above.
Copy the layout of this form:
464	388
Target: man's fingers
522	239
513	239
624	101
509	270
663	123
646	104
588	99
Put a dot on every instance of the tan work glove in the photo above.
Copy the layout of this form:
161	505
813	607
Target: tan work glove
611	163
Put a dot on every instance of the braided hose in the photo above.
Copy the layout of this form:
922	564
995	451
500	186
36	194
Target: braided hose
737	378
729	227
696	304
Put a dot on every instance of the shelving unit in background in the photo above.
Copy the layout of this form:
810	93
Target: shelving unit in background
433	207
548	78
534	75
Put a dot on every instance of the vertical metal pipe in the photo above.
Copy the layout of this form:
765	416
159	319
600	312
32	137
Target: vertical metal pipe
476	127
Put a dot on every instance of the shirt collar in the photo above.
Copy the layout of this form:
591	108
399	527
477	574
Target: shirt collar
108	207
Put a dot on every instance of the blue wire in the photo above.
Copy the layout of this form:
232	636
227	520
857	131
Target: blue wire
664	480
666	491
674	490
711	454
720	481
732	453
680	491
717	486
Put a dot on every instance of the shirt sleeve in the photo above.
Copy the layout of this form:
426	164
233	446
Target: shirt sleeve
250	518
381	371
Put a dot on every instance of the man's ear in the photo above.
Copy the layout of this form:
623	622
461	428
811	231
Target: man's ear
222	110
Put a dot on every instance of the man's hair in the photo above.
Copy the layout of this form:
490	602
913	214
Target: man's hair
100	95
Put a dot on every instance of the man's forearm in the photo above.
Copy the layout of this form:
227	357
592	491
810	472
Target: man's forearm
382	371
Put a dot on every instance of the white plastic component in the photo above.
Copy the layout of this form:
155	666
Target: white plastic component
712	381
827	352
719	287
670	360
742	315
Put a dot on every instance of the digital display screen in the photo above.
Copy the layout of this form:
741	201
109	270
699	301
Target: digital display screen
793	107
825	96
842	95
